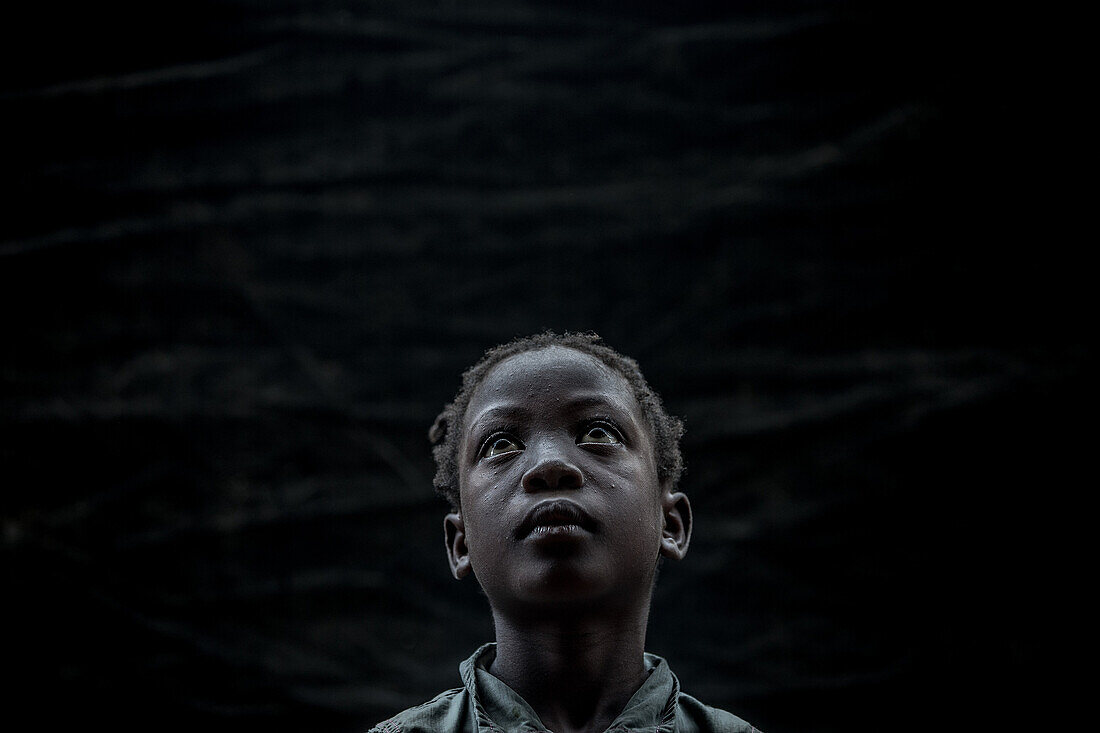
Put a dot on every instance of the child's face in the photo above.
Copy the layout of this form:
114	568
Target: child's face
560	501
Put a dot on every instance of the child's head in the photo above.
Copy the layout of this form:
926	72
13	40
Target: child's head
561	466
445	434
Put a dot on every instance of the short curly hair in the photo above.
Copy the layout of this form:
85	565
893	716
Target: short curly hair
445	433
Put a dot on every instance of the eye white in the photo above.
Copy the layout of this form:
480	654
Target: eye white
499	446
599	434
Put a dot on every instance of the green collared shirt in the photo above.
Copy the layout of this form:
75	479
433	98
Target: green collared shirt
484	704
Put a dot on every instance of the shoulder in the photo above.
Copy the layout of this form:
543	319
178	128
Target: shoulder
447	712
692	715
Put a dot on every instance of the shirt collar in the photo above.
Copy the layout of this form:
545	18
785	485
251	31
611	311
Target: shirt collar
652	708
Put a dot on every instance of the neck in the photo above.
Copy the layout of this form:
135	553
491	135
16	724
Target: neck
577	674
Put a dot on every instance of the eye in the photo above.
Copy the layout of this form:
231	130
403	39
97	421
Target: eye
498	445
599	433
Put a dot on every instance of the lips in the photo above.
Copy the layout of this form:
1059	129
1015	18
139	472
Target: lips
554	513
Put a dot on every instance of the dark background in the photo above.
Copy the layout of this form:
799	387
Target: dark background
248	248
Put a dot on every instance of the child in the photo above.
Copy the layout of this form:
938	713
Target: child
561	464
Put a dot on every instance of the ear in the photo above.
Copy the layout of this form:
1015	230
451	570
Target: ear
677	531
457	552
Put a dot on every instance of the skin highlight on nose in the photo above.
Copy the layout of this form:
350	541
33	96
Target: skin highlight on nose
552	475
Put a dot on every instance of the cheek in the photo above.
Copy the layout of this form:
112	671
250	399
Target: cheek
486	520
634	490
638	473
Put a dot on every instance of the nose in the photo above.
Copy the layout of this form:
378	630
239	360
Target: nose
550	472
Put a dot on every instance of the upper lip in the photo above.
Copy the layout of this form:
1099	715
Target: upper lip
555	512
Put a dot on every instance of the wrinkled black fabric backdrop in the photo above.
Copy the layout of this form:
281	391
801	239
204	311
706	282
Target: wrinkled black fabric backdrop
249	246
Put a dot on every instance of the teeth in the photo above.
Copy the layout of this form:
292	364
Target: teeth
552	528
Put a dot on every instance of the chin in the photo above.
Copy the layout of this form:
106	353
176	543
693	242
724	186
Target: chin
567	586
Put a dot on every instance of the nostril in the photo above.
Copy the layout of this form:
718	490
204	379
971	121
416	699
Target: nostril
552	475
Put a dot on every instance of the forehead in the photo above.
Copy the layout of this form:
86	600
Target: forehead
550	376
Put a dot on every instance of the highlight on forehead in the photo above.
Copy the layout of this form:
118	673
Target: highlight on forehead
519	365
615	397
566	354
446	433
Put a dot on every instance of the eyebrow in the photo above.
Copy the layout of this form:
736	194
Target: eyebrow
496	414
593	401
507	413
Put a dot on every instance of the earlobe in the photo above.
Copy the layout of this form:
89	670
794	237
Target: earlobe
458	555
677	525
